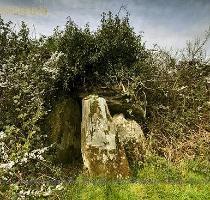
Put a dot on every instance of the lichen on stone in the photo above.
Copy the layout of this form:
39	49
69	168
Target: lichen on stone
101	155
65	129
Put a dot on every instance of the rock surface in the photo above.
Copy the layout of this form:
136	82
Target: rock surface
131	136
103	153
65	128
118	101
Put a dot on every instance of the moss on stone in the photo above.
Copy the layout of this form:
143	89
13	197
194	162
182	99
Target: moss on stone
94	107
65	129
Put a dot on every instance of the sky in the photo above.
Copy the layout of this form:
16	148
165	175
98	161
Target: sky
168	23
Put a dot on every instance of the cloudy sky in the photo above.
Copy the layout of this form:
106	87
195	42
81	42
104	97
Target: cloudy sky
169	23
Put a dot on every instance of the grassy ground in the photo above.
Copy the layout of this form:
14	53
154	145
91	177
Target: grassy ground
157	179
136	191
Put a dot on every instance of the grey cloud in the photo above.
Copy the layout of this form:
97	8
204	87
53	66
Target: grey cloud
166	22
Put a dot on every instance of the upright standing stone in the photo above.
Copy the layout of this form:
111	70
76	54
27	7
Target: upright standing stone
65	129
132	138
103	154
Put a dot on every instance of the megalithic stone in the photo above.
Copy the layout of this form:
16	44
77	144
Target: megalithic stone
103	153
132	137
64	123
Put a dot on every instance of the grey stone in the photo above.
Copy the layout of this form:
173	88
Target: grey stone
132	138
103	154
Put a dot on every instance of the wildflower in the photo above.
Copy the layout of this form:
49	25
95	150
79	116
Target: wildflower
2	135
8	165
59	187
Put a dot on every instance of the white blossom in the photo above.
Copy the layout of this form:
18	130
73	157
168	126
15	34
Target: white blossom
8	165
59	187
2	135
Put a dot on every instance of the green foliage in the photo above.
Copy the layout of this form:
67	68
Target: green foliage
26	77
95	56
78	46
33	72
117	44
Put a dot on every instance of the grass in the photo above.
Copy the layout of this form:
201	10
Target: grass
136	191
157	179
